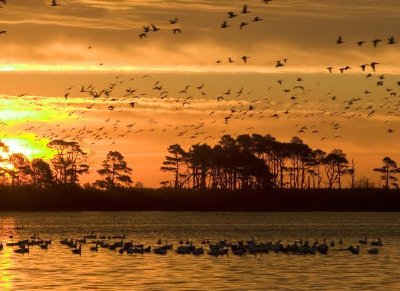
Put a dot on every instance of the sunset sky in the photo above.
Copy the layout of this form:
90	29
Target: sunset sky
48	53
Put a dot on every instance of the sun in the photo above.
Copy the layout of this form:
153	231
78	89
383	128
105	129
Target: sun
29	146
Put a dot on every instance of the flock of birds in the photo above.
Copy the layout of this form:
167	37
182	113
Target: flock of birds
290	97
120	244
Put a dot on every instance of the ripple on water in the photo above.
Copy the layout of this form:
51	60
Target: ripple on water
58	268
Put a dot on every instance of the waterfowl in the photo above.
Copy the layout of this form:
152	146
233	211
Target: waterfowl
77	251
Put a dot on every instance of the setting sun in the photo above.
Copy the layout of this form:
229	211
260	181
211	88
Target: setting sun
28	147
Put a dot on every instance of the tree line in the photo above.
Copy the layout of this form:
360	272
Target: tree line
66	167
262	162
247	162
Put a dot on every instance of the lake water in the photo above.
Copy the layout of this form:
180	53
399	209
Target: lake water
58	269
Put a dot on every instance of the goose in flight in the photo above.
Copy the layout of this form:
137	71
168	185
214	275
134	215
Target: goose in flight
340	40
373	64
231	14
245	10
224	24
278	64
391	40
54	3
245	58
363	67
155	28
173	21
329	69
361	42
243	24
376	41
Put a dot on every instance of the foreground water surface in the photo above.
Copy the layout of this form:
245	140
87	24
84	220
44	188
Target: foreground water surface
58	268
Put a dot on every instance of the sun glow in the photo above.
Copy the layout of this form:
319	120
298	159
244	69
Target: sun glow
28	146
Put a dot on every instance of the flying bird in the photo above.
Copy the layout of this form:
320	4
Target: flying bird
245	10
155	28
363	67
391	40
54	3
173	21
376	41
329	69
361	42
373	64
224	24
243	24
244	58
231	14
278	64
340	40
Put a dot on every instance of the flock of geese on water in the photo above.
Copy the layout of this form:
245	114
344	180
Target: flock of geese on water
219	248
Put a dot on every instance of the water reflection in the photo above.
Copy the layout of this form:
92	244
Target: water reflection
6	262
58	268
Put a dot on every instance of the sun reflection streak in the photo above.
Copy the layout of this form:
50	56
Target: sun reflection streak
7	224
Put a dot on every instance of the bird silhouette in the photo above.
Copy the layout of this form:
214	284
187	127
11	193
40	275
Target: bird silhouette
278	64
224	24
54	3
360	43
363	67
155	28
373	65
231	14
340	40
245	58
243	24
245	9
391	40
329	69
173	21
375	42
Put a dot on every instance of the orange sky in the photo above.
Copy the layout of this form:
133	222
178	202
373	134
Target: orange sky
96	42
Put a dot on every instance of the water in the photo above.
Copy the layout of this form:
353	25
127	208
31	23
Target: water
57	268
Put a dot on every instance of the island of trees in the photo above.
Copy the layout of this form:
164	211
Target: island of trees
249	172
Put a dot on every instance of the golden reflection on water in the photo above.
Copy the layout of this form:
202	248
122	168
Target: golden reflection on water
58	269
6	262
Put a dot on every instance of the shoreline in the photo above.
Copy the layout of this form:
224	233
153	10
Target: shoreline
275	200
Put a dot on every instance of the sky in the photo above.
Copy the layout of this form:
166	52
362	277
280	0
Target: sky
49	53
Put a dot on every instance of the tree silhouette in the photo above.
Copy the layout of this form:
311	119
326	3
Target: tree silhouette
115	172
3	150
389	170
68	162
336	165
19	172
176	163
42	176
